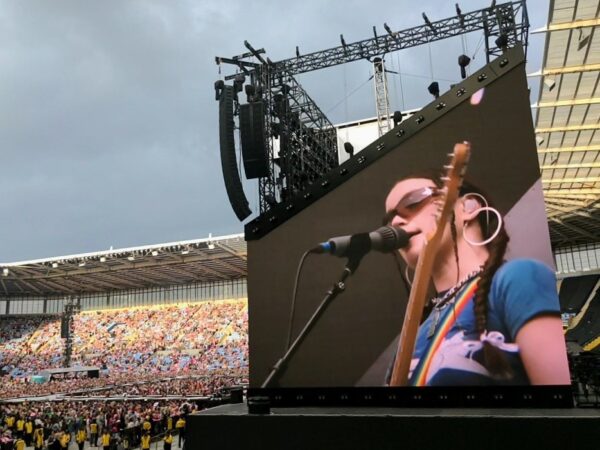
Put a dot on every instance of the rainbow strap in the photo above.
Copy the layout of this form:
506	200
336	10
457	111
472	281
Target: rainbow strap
446	322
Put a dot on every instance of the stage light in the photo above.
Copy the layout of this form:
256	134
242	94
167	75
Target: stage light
271	200
460	15
349	148
388	29
397	118
463	62
434	89
550	83
502	41
275	130
429	24
5	272
219	85
238	82
250	90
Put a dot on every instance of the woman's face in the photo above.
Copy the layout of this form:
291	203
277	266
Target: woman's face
411	205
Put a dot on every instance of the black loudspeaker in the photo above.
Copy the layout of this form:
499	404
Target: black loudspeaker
254	151
64	328
233	184
236	395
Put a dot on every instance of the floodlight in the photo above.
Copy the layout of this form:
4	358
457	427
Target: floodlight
463	61
434	89
397	118
349	148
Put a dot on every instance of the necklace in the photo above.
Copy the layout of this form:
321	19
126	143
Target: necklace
440	302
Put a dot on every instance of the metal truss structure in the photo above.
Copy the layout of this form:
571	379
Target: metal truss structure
71	308
382	102
301	140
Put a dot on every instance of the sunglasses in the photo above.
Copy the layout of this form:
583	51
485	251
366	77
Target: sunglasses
412	203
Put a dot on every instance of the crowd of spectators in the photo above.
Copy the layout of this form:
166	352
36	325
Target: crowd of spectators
54	425
23	337
124	385
128	345
193	386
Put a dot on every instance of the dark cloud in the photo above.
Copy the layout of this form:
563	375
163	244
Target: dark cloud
108	124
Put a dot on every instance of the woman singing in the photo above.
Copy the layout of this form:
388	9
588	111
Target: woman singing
492	322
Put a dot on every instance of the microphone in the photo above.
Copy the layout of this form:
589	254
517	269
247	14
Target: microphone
384	239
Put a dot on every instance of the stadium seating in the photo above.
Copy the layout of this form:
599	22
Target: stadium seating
150	342
588	327
575	291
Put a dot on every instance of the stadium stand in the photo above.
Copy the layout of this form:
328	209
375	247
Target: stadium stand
154	341
588	328
575	291
166	325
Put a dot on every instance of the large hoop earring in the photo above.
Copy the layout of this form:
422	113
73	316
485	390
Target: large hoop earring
493	236
408	280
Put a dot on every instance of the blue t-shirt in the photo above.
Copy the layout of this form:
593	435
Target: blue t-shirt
521	290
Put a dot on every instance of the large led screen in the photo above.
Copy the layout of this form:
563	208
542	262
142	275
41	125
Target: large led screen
492	315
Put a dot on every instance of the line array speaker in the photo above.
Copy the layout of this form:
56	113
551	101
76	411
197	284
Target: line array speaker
254	151
233	184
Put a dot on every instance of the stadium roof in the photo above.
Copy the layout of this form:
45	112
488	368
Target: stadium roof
568	121
195	261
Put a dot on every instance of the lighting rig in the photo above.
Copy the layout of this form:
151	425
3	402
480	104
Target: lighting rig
287	141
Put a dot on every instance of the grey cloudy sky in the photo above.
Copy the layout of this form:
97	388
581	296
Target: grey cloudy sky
108	123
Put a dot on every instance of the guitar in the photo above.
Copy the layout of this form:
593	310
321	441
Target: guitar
455	171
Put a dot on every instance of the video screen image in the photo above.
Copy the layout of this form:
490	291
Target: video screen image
490	313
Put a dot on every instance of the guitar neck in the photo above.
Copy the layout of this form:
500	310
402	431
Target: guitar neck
418	292
412	320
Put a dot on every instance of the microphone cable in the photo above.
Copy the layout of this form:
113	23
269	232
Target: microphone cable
294	294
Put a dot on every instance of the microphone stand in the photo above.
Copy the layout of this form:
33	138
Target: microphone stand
333	292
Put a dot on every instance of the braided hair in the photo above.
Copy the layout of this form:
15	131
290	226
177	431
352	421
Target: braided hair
494	360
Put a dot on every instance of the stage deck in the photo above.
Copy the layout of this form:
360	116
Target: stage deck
232	427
